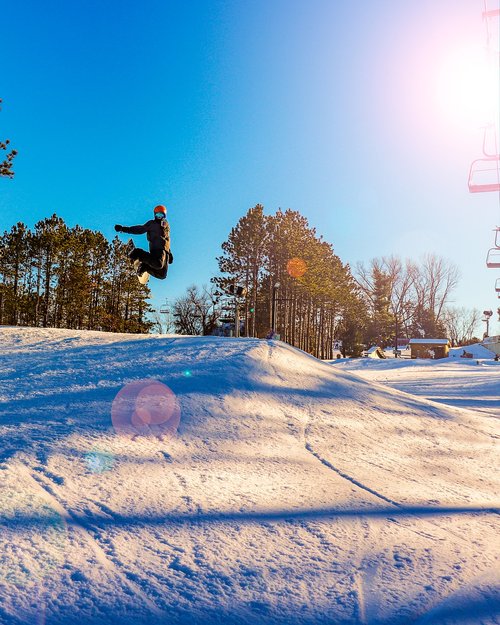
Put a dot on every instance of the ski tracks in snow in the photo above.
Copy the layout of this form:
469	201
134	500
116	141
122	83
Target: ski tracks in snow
362	573
345	476
305	426
84	529
366	570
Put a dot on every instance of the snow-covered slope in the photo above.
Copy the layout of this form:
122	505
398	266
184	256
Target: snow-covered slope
472	383
294	492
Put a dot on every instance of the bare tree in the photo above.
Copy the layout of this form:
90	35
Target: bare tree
364	276
434	281
196	312
162	322
461	324
399	285
401	290
414	295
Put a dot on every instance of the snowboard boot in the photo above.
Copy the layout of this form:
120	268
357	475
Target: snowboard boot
139	268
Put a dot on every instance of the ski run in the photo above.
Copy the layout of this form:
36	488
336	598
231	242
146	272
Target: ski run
294	492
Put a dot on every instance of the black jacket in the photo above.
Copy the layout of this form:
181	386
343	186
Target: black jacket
158	232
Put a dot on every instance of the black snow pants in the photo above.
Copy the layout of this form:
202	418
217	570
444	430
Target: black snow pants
154	262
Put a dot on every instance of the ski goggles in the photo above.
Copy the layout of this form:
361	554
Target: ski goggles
160	209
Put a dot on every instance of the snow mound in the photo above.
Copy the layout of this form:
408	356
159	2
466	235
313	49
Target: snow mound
294	491
476	349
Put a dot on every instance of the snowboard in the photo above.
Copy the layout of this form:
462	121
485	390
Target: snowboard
143	277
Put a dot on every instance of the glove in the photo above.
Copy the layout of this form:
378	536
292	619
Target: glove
118	228
170	258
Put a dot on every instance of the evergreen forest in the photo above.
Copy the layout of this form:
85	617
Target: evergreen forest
283	264
61	277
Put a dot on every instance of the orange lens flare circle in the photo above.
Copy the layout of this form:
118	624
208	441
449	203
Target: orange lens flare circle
145	406
296	267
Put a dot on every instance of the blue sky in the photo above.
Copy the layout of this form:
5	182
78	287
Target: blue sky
351	113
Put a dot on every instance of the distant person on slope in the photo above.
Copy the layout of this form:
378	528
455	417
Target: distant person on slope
156	261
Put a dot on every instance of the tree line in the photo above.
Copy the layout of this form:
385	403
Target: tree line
293	284
62	277
319	303
413	299
292	277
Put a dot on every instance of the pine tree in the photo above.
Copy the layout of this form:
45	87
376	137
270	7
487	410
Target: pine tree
7	163
69	277
243	261
316	291
50	236
382	325
14	259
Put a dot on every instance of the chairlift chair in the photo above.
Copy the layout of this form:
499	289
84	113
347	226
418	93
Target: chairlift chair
497	286
493	258
484	175
164	310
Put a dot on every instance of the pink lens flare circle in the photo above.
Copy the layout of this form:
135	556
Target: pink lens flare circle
296	267
146	407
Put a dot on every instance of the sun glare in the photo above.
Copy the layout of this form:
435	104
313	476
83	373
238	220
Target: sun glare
467	87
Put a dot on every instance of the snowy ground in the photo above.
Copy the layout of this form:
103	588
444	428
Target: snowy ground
294	492
472	383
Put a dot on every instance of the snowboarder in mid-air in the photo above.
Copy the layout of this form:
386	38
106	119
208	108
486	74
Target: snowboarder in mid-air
156	261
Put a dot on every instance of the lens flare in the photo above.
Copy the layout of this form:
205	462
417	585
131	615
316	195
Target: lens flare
145	407
98	461
296	267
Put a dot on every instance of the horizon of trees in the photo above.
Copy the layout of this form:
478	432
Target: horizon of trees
319	301
56	276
